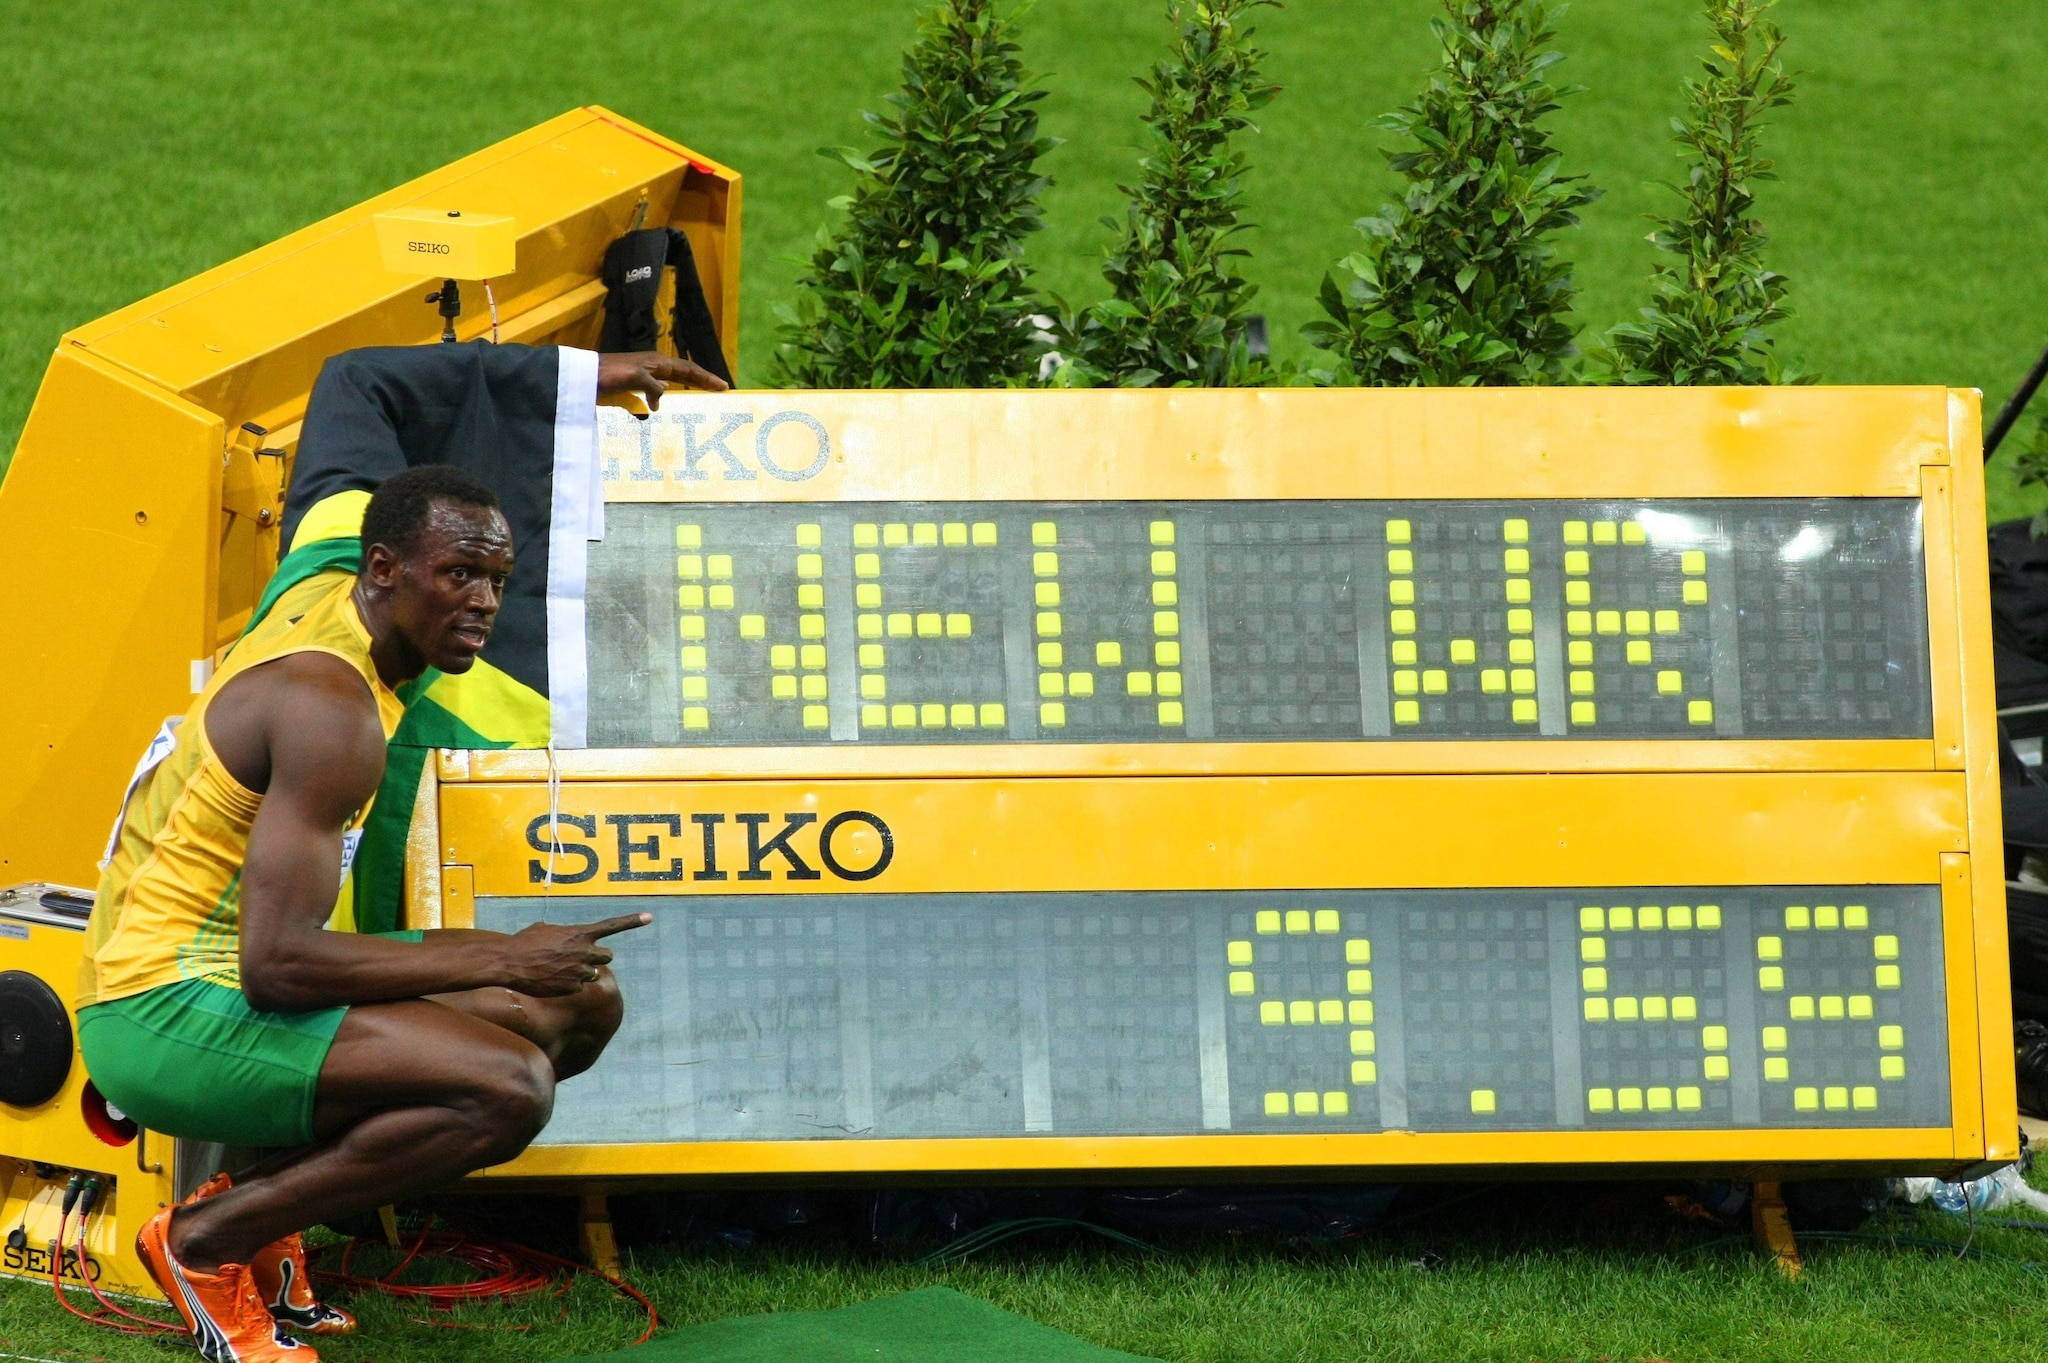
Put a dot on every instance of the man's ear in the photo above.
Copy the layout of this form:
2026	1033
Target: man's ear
381	566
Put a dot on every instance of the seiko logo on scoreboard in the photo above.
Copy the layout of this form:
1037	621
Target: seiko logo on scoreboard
729	446
852	845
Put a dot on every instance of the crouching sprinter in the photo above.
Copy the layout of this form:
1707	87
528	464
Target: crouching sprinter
215	1005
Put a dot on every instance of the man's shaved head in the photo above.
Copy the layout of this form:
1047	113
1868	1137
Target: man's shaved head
403	506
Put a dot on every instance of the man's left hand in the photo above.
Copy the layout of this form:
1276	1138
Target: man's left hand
648	373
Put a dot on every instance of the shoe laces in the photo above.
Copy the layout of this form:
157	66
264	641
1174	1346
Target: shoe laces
252	1317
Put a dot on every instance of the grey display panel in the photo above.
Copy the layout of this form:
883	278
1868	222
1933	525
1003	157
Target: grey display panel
904	1016
1247	621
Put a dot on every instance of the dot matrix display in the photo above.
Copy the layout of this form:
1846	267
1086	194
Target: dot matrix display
1106	627
1820	619
1094	1014
1122	1017
1461	624
1302	1013
1283	621
1639	646
927	597
1477	1014
1831	985
1655	1035
1246	621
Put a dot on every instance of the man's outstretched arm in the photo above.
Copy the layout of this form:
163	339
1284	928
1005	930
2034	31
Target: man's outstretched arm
326	756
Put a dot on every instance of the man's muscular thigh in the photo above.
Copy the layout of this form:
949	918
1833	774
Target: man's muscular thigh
418	1053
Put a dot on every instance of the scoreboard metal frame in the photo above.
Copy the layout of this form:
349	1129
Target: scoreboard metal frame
1564	812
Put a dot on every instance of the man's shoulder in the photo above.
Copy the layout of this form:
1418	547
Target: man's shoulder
307	695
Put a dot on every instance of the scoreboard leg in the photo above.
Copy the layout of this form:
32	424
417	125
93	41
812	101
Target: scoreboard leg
1773	1228
600	1246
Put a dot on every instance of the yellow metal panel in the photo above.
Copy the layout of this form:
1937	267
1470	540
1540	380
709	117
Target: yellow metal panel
1248	833
1993	983
247	339
1959	955
34	1204
422	875
458	898
1376	1150
1201	759
1944	627
110	513
1298	443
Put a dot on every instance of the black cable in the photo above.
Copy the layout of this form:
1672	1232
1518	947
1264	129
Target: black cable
2009	415
976	1241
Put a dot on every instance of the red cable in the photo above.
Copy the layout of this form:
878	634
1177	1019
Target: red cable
57	1287
85	1272
508	1272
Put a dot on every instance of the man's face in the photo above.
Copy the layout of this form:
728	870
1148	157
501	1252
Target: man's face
445	590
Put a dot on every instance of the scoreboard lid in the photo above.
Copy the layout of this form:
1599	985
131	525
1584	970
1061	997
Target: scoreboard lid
1286	443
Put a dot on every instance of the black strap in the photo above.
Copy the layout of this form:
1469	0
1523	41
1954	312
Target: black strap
632	281
696	335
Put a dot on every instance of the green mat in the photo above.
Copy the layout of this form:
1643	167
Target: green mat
930	1325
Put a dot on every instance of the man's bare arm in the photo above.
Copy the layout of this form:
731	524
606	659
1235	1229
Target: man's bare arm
326	757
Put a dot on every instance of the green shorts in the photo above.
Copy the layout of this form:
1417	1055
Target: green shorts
193	1059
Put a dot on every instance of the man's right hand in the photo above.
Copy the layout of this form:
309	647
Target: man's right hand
548	961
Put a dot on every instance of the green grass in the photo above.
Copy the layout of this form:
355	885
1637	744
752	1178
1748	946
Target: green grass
146	142
1610	1275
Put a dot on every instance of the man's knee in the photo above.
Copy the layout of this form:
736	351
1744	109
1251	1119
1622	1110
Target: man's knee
598	1009
601	1008
515	1096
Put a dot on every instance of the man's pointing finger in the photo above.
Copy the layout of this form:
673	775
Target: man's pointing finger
624	923
689	371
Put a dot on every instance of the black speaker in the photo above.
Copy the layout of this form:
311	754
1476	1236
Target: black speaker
35	1040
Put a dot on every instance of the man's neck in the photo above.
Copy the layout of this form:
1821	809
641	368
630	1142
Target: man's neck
394	657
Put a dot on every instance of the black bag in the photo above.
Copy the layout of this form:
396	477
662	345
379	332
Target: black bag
632	281
2019	625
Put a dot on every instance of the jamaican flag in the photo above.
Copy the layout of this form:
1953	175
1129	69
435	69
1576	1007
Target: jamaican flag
521	418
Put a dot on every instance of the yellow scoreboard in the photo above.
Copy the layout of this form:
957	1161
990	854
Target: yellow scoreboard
1353	780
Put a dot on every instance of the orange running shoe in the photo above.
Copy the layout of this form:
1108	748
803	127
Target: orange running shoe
213	1187
283	1280
222	1310
286	1287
